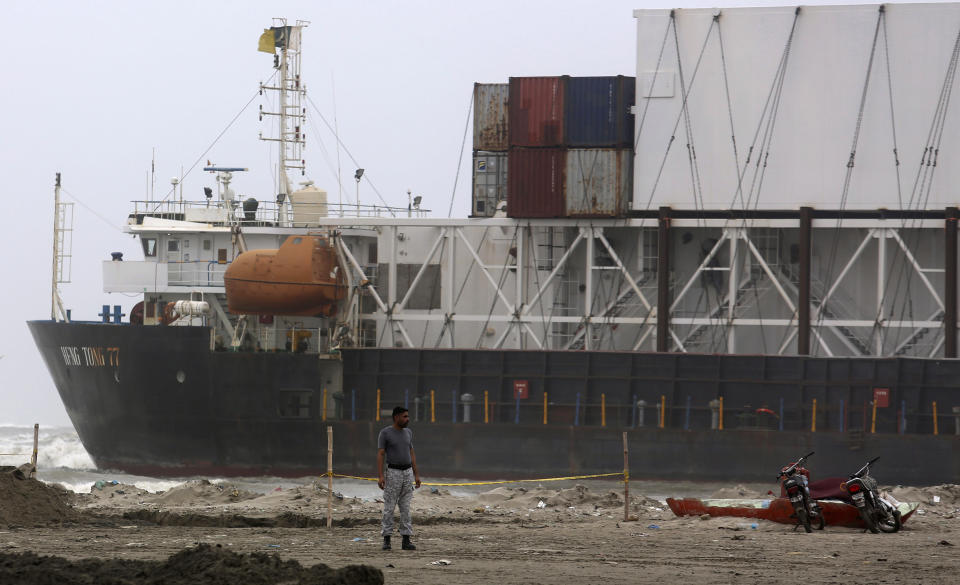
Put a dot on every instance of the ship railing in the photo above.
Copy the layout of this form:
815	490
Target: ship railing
264	213
651	410
196	273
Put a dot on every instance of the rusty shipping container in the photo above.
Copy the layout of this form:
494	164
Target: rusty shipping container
490	119
597	112
536	111
598	182
489	182
536	182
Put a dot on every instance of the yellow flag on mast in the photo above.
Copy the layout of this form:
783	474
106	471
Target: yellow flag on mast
267	43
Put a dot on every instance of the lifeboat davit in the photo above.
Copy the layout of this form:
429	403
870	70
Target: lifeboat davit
302	278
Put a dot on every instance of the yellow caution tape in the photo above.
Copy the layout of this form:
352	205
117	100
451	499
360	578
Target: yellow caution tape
620	473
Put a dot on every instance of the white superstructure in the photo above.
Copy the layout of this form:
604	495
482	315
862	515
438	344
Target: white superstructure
720	268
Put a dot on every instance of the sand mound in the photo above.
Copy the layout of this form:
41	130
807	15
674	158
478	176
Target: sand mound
202	490
103	490
28	502
203	564
578	496
948	494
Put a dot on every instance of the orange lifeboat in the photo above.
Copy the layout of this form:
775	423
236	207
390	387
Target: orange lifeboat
301	278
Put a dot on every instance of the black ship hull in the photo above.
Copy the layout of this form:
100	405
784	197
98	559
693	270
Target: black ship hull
157	401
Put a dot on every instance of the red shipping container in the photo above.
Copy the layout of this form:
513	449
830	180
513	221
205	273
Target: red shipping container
536	111
535	182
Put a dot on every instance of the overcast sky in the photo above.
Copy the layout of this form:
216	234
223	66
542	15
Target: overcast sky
90	89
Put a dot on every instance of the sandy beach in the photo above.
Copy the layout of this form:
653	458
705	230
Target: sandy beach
513	533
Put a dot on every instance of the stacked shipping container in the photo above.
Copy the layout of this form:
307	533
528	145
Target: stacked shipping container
569	146
490	142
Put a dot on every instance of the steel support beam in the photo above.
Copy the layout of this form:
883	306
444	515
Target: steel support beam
365	283
733	287
950	283
663	280
882	236
803	287
588	292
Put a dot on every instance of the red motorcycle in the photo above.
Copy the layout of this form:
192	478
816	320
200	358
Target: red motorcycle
794	480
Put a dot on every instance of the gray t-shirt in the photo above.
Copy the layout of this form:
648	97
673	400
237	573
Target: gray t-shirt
397	444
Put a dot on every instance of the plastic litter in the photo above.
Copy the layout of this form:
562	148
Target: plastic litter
540	504
442	562
653	527
359	539
936	499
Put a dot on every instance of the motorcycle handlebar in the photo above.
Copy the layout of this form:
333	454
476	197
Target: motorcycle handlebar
793	466
865	468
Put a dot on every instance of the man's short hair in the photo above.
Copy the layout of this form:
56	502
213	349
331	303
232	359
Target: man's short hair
399	410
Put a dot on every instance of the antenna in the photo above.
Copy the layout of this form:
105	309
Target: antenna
336	137
153	170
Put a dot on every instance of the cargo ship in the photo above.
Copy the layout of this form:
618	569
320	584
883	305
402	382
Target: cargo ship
734	256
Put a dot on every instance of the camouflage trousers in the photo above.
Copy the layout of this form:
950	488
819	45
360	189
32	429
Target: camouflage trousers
398	489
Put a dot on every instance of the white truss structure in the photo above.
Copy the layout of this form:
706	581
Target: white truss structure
516	293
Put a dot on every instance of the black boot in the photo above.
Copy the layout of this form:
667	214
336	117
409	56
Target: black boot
407	545
386	543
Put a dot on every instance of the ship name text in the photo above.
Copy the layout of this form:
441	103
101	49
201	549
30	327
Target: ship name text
90	356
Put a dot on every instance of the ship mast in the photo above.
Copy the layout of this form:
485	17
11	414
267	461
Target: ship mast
291	112
62	240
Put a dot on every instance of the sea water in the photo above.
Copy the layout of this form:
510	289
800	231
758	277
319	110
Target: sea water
61	459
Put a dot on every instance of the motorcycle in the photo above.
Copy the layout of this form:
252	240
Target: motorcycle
878	515
794	484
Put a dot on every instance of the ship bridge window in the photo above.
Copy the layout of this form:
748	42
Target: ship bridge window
149	247
295	403
173	245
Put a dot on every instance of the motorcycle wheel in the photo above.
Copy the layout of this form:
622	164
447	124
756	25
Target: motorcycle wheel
820	522
866	514
891	523
804	519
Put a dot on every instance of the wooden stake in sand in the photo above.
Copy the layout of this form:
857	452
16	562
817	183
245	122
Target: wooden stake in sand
33	458
329	477
626	480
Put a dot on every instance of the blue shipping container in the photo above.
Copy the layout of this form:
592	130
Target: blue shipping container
597	112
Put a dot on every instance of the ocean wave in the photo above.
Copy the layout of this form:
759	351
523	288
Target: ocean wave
58	447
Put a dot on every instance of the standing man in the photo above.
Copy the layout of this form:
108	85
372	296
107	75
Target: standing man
395	445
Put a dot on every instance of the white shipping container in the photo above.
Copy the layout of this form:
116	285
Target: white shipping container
598	182
489	182
799	121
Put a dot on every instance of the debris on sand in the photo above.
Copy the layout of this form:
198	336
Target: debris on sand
737	492
202	489
201	564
